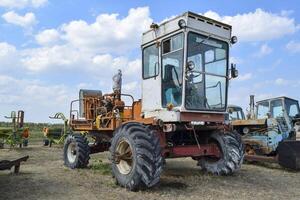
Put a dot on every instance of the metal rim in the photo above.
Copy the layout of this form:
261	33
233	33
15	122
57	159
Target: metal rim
123	157
71	152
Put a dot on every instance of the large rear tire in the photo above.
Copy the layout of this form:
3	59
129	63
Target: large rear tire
76	151
232	152
136	156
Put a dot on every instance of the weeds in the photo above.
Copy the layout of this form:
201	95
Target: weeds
100	166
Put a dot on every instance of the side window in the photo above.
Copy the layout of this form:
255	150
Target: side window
150	62
293	110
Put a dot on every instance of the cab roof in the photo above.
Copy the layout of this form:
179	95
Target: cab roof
194	21
233	106
280	97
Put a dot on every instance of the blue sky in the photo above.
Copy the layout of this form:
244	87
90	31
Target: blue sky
49	49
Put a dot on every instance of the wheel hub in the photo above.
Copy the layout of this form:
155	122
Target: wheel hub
71	152
123	157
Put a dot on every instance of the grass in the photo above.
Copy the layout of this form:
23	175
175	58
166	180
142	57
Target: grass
100	166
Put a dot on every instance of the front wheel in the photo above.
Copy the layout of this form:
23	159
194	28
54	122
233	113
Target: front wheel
76	151
136	156
231	154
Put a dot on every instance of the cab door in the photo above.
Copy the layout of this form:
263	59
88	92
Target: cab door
151	86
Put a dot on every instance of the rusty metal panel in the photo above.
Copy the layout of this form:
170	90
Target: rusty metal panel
250	122
209	117
194	151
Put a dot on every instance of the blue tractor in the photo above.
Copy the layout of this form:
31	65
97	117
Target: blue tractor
271	131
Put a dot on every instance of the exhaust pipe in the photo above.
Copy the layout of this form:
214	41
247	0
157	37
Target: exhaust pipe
252	107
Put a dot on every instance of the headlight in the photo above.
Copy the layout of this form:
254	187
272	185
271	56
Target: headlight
233	40
182	23
246	130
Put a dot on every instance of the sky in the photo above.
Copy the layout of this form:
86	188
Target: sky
49	49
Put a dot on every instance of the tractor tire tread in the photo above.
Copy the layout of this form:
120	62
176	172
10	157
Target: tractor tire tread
147	155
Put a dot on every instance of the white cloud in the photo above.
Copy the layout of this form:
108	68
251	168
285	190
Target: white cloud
263	51
109	33
130	87
293	47
26	21
128	67
244	77
34	96
6	49
281	82
47	58
78	43
22	3
236	60
258	25
48	37
9	57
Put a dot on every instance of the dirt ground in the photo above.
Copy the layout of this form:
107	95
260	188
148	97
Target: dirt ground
43	176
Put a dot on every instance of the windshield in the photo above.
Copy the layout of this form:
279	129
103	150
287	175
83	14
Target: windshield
235	113
292	107
262	110
206	82
276	108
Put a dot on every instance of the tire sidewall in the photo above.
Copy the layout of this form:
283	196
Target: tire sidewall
70	139
219	138
130	178
226	141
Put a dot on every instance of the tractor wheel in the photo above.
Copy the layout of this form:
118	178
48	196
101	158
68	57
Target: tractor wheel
232	154
136	158
25	142
46	142
76	151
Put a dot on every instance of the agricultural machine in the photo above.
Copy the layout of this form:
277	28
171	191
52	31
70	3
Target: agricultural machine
235	113
17	134
272	131
185	76
56	135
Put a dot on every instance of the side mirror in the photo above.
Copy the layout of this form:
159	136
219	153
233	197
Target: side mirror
190	65
233	71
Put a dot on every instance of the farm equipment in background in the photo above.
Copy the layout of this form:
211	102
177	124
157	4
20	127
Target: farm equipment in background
182	112
235	113
56	135
17	134
272	131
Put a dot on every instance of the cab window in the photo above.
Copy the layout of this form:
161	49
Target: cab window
150	62
262	110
